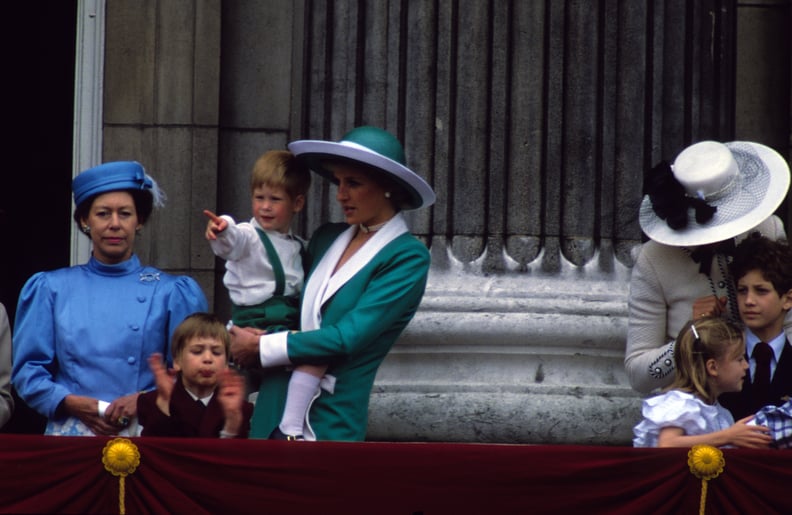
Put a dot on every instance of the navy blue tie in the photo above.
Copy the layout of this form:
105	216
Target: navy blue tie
762	354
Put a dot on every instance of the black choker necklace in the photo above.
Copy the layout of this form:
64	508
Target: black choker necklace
372	228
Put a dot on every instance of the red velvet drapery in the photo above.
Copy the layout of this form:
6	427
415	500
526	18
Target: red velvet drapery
66	475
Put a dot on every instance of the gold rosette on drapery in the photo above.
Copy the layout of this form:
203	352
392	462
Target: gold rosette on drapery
121	457
706	462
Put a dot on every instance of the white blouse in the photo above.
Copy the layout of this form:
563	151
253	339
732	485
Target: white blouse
676	408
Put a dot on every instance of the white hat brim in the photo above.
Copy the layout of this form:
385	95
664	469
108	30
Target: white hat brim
314	151
703	234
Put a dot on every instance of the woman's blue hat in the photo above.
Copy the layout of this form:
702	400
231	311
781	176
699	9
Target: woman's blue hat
371	146
114	176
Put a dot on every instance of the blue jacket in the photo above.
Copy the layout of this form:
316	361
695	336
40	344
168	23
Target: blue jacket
89	329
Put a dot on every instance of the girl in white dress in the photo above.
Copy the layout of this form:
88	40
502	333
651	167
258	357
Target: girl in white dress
710	360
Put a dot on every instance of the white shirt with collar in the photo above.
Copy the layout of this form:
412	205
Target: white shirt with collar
777	344
249	276
204	400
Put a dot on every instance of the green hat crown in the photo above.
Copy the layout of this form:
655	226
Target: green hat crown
377	140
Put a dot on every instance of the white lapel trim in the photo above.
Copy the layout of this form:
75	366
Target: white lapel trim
317	282
323	284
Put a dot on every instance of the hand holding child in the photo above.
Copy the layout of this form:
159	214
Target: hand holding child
709	306
245	345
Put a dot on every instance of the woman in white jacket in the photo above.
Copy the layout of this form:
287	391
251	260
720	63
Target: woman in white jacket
694	211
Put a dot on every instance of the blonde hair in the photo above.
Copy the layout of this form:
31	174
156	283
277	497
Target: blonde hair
199	325
699	341
281	169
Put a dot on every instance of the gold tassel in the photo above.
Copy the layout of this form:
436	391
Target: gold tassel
706	462
121	457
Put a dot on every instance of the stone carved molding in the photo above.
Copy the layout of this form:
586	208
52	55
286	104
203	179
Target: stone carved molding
530	357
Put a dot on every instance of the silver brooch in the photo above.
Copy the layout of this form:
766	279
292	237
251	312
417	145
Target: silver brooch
149	276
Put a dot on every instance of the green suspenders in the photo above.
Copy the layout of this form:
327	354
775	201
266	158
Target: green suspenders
277	267
279	312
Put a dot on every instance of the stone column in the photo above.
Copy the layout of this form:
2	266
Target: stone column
763	110
161	96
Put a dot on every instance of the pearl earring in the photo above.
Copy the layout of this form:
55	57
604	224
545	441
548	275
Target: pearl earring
86	229
387	194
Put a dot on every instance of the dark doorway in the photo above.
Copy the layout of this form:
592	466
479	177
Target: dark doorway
35	210
35	204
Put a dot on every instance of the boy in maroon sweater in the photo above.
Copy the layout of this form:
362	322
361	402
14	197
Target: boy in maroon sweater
207	399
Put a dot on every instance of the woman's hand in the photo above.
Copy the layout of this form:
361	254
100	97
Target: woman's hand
121	411
215	226
245	345
87	410
709	306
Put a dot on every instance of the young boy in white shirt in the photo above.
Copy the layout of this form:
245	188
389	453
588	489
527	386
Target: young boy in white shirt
265	268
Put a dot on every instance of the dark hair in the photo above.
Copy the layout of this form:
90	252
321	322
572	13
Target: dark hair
143	199
773	259
698	341
199	325
399	197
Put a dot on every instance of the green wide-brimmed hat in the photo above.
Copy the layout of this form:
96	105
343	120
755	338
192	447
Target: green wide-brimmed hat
375	148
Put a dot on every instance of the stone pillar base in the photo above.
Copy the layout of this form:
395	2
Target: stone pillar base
511	359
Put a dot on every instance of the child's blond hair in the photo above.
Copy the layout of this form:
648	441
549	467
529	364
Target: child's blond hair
698	341
281	169
199	325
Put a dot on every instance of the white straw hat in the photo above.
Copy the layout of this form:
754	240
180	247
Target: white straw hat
713	192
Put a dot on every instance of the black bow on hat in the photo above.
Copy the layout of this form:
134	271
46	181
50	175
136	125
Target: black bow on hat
670	201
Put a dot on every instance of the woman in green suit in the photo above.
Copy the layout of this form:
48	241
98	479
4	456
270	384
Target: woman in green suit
366	280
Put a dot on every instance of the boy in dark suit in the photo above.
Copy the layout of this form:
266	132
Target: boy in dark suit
762	270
